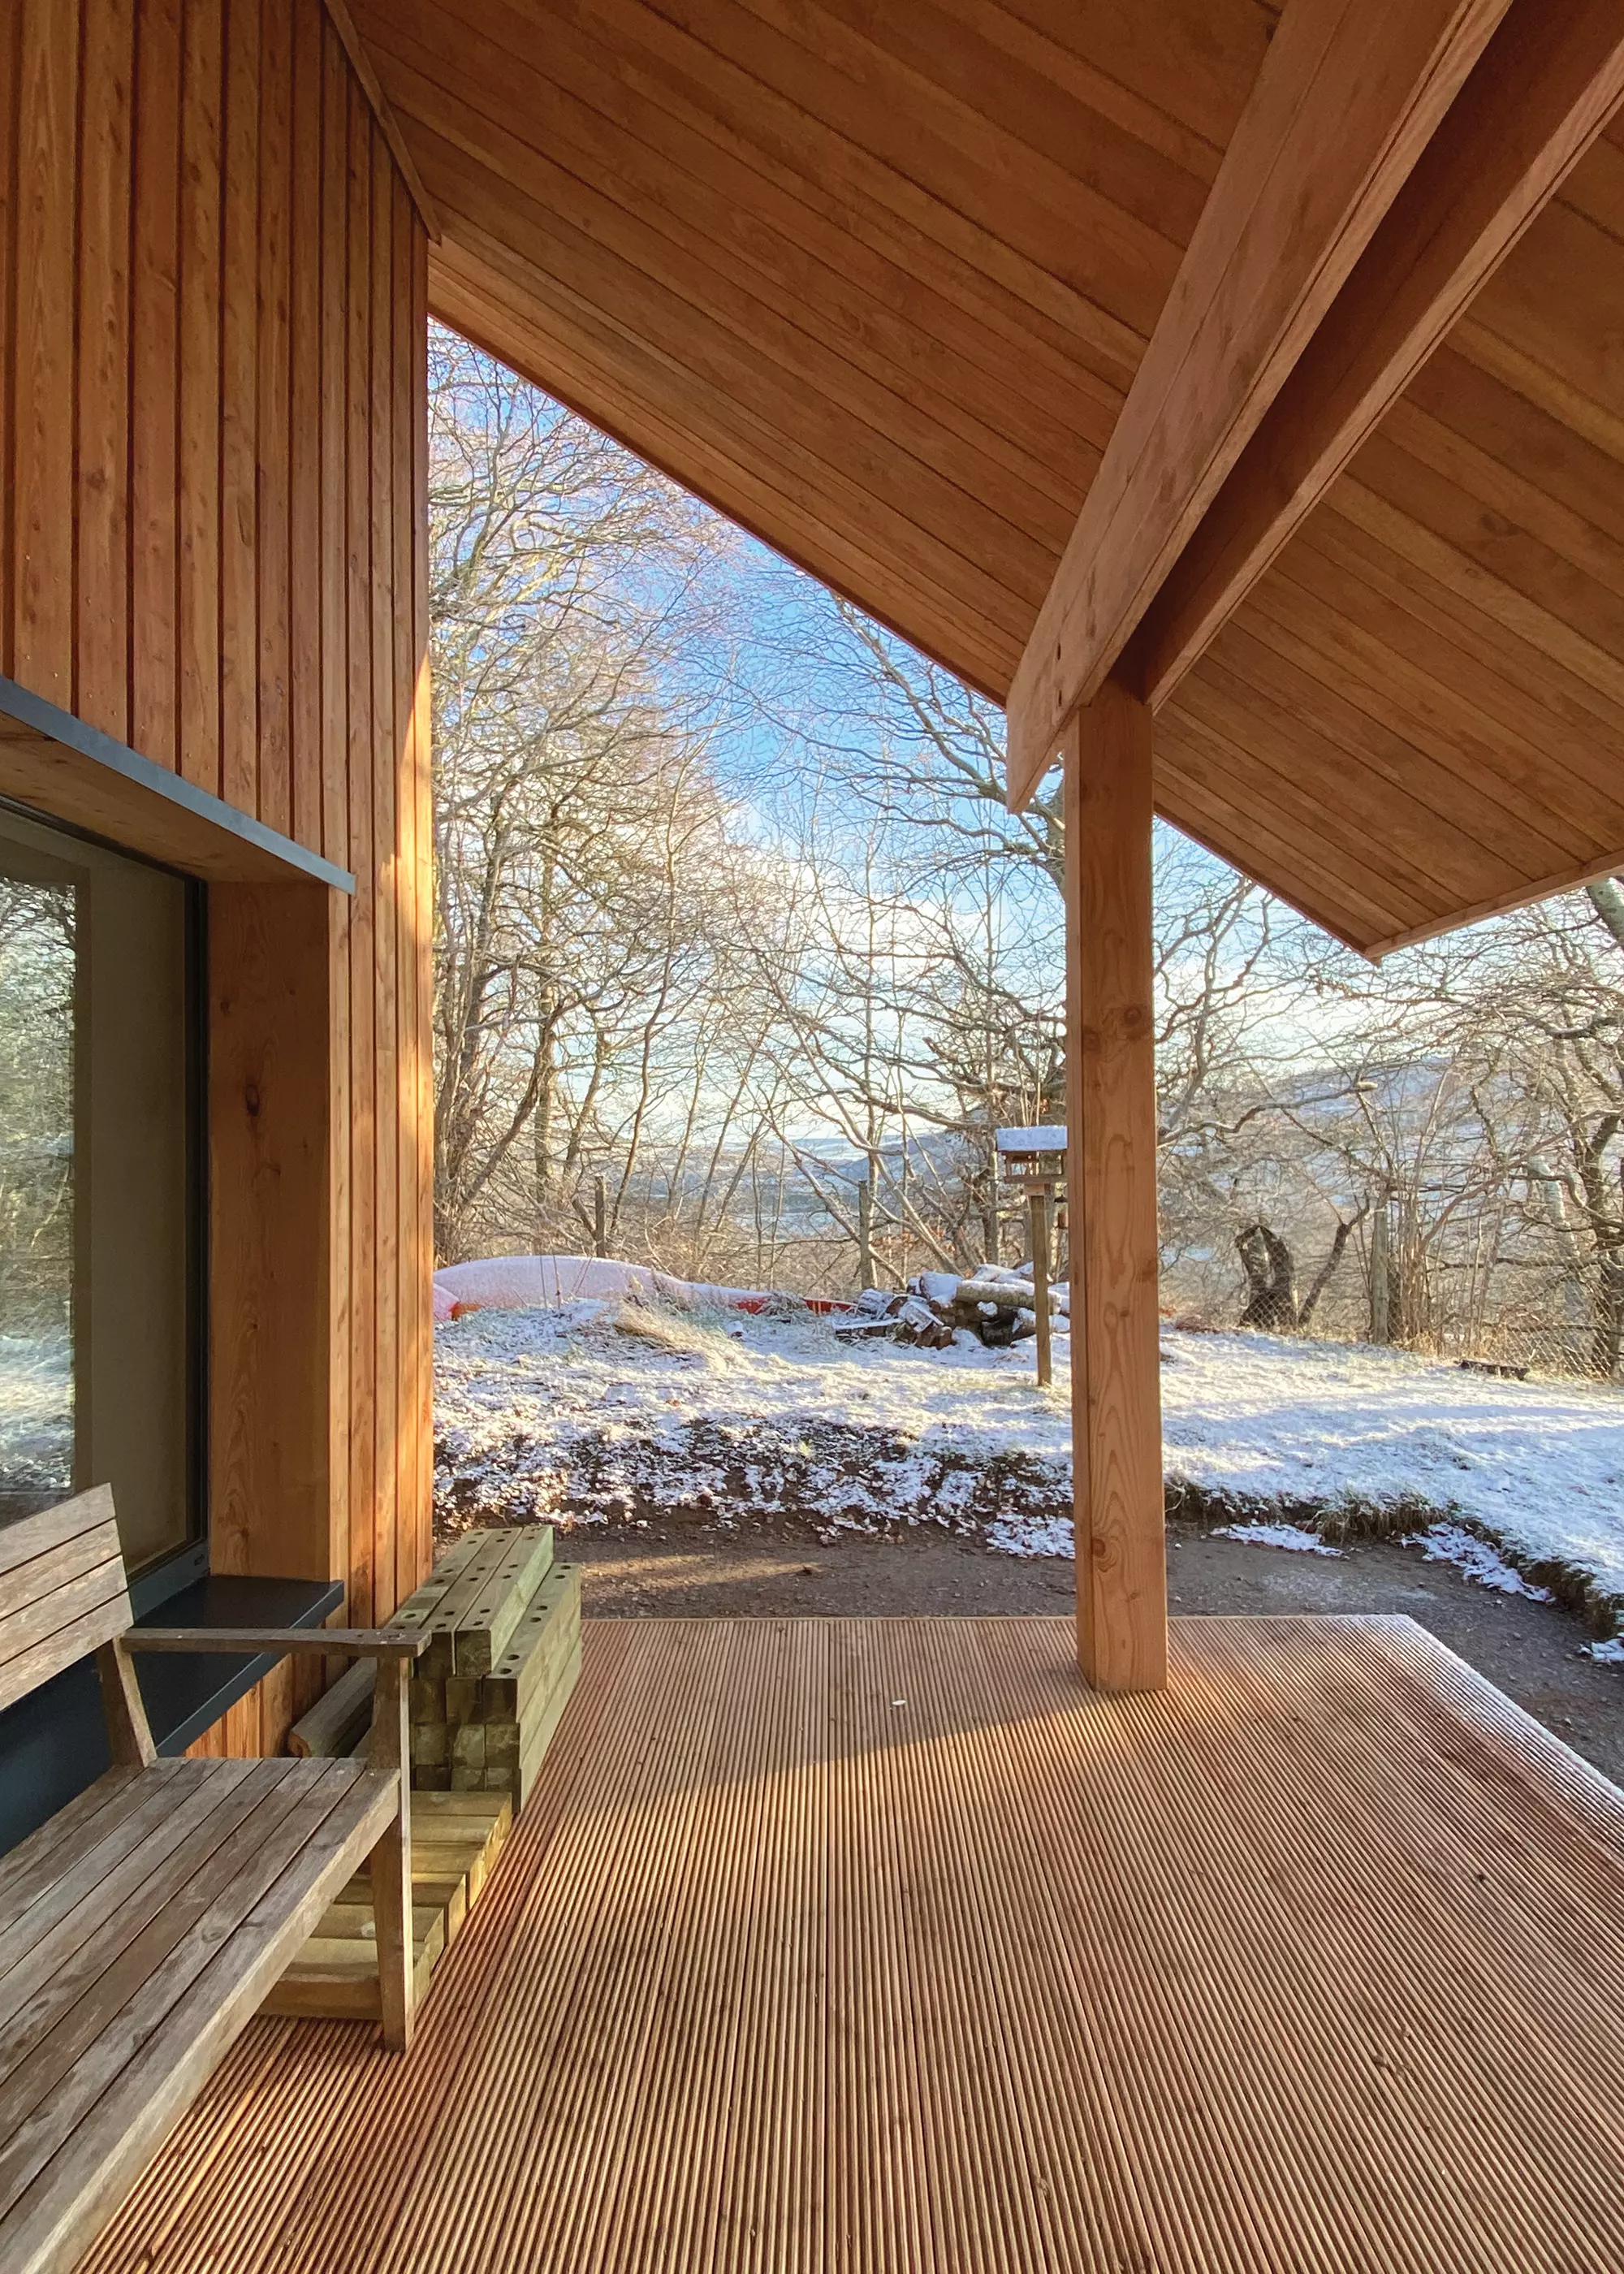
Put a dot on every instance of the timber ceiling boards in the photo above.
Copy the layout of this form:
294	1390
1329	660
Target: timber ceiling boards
874	277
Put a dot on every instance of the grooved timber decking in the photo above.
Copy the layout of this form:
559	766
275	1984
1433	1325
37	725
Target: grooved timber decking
883	1944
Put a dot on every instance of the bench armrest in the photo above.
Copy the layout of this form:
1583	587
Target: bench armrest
328	1642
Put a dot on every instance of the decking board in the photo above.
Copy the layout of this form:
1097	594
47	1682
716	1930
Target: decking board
1312	1962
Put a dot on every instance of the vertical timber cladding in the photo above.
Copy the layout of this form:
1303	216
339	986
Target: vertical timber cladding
212	470
1120	1535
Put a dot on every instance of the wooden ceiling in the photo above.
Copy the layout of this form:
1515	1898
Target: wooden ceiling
874	277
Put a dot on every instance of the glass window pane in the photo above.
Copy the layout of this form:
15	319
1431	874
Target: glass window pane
99	1184
38	977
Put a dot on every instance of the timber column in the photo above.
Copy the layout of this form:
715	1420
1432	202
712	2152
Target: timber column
1111	1194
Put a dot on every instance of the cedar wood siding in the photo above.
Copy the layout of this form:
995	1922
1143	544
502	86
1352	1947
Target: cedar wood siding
213	476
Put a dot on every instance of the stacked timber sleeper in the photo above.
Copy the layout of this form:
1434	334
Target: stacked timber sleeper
504	1623
505	1626
455	1839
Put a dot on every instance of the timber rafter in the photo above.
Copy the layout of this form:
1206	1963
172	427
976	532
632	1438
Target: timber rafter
1388	160
902	290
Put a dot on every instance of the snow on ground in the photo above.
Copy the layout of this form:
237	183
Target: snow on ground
1540	1465
606	1408
602	1410
1451	1543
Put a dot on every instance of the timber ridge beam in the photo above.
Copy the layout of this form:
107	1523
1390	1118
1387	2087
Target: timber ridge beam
1391	154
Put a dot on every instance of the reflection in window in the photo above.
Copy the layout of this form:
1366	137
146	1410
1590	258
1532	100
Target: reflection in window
100	1184
38	975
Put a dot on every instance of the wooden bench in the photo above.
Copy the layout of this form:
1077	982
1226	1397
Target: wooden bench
141	1927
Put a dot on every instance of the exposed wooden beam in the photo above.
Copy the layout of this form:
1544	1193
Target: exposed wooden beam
1120	1528
361	64
1545	87
1349	96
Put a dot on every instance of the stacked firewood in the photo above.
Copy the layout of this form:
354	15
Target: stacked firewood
995	1304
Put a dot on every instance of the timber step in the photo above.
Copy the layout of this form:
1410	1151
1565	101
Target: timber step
455	1839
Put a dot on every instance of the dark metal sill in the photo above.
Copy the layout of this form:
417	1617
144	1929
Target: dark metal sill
53	1743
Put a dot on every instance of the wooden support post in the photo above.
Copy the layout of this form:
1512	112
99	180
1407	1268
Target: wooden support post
390	1864
1037	1208
600	1216
129	1734
1111	1195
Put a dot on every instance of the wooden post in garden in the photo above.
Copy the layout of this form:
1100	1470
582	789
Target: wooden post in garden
600	1216
1033	1160
1111	1197
1037	1209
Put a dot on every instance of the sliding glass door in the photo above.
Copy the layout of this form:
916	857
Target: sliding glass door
100	1174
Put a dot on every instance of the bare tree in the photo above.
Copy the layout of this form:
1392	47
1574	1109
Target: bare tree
578	827
733	923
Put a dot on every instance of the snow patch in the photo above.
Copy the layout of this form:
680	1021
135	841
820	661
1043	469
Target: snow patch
1610	1652
595	1412
1281	1424
1032	1535
1277	1535
1448	1543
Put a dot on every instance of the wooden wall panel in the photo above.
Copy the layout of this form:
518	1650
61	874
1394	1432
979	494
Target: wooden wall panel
213	476
199	422
363	920
101	471
46	98
156	397
11	50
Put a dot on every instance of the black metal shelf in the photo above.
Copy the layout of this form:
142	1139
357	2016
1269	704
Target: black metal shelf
53	1743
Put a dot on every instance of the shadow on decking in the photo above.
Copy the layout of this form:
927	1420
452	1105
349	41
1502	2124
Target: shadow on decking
1312	1962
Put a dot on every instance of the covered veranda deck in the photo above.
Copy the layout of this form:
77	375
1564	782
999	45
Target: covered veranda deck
888	1945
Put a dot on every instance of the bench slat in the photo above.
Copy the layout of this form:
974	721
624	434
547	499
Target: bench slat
56	1526
72	2156
64	2021
75	1961
66	1910
59	1629
42	1575
62	1590
64	1838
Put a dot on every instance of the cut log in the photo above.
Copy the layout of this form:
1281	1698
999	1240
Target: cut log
340	1718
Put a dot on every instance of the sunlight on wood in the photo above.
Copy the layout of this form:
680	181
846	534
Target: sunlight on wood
885	1944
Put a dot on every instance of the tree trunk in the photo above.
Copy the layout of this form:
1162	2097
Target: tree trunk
1328	1269
1381	1276
1271	1280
